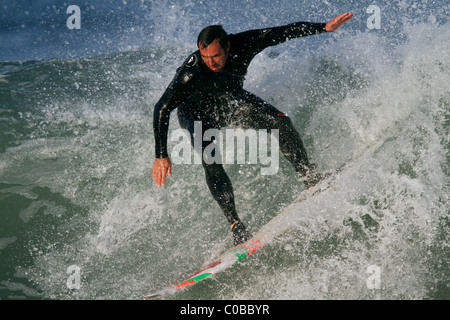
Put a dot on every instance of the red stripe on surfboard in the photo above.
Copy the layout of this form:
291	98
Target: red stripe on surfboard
253	246
184	284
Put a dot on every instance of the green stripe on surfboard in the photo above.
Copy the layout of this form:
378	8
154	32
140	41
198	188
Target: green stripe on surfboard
199	277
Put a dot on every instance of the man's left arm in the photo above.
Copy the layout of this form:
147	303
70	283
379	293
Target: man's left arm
263	38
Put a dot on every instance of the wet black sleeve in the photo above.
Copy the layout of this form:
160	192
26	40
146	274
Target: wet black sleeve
176	92
259	39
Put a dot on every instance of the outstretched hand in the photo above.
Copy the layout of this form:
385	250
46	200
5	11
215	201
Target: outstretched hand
161	167
335	23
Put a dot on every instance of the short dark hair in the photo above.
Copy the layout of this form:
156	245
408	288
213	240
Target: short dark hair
211	33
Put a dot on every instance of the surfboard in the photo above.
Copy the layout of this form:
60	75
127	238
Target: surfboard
269	231
219	264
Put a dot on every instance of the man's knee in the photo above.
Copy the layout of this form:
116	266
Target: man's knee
213	169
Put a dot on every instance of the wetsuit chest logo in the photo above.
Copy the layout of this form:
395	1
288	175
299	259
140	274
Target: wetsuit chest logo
192	61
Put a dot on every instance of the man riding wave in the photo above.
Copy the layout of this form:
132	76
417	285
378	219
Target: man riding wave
202	89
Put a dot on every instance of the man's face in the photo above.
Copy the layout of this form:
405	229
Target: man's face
214	55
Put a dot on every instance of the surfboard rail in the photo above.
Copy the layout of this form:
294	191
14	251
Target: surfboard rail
221	263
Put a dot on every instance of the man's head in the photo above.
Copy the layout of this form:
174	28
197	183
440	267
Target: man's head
214	47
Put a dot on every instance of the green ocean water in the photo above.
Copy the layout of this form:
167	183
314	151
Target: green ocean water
77	148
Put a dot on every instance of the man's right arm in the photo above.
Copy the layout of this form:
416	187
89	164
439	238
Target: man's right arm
176	92
161	117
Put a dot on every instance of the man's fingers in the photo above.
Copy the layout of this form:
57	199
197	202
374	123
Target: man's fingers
163	178
335	23
343	18
159	177
347	16
161	167
156	176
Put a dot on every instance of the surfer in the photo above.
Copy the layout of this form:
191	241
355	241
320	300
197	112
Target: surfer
202	89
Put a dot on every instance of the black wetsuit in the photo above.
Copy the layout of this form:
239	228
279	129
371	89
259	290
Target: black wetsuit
203	95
